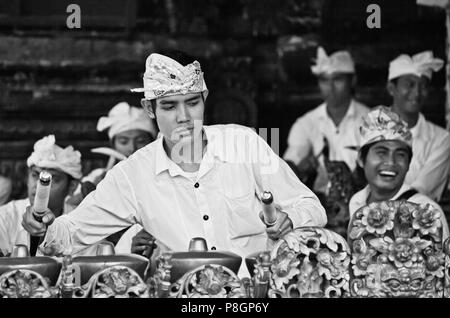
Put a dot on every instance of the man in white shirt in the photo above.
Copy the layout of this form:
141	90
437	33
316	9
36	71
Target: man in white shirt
385	155
337	120
408	82
65	168
193	181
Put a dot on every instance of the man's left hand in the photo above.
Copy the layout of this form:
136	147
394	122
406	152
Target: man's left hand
284	224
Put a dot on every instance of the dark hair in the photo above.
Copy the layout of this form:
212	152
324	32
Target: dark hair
181	57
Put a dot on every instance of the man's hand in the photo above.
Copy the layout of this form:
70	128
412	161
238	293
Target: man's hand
281	227
143	243
34	227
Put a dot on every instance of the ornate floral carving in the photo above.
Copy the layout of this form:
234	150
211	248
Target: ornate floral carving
159	284
25	284
113	282
209	281
396	251
310	262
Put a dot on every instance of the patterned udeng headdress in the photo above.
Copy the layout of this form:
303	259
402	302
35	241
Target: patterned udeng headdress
166	77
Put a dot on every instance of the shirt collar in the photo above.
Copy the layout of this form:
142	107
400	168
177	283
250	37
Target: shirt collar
419	128
365	193
351	111
215	149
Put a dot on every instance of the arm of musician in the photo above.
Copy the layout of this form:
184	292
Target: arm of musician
107	210
273	174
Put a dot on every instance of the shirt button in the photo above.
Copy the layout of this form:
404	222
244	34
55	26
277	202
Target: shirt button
196	185
213	248
205	217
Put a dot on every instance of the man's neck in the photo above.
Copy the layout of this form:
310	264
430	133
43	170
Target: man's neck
376	195
337	111
188	156
410	118
57	211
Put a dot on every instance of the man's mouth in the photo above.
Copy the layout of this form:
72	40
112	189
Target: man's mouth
388	173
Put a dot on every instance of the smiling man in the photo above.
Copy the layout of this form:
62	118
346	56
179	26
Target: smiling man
192	181
385	156
408	83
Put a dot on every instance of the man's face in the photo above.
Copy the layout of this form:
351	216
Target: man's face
176	116
60	188
129	141
336	87
386	165
409	93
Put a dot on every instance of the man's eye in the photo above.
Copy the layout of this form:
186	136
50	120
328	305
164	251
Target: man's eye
192	103
168	107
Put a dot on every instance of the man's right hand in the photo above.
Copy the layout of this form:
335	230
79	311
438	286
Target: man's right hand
34	227
143	243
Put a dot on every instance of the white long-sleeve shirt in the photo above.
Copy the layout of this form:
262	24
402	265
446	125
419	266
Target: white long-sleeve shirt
222	205
359	200
430	164
13	233
306	138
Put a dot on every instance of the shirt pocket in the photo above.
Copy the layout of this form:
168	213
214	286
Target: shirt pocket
241	208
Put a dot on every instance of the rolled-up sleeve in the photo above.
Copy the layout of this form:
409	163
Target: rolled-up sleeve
433	176
107	210
299	145
297	200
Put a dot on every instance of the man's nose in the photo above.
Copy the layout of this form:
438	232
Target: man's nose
390	159
415	91
182	114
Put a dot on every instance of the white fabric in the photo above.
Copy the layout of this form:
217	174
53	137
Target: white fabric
430	165
421	64
359	200
150	189
338	62
12	231
48	155
123	117
166	77
5	189
306	138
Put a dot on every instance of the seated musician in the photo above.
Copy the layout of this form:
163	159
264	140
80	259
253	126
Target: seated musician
193	181
331	125
385	155
65	168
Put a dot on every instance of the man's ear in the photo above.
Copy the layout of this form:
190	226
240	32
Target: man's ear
147	105
354	80
390	88
73	186
359	161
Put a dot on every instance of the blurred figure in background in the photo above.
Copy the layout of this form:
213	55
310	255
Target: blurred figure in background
408	84
129	129
5	189
322	143
65	167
